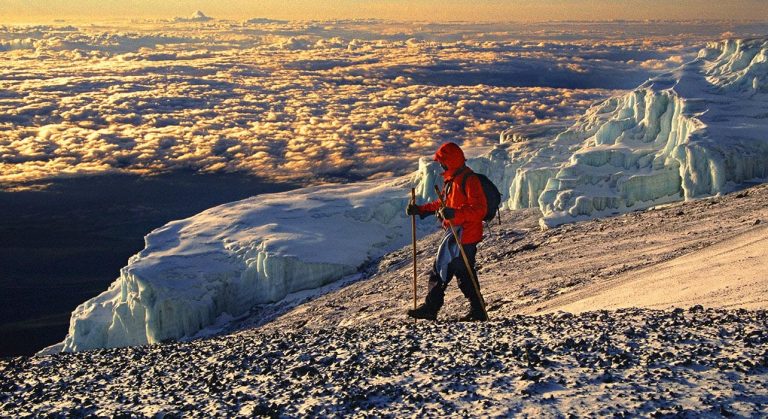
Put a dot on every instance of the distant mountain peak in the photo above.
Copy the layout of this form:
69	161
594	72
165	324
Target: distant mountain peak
199	16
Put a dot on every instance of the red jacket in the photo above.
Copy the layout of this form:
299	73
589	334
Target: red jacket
469	203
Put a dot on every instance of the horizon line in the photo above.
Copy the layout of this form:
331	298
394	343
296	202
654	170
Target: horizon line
211	19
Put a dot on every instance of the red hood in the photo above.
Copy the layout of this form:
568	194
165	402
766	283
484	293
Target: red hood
450	155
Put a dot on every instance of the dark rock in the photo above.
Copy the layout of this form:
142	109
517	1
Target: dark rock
725	412
525	247
532	375
304	370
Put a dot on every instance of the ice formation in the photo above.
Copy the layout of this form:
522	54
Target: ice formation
697	131
225	260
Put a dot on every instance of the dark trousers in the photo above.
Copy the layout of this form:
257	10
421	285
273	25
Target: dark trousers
436	295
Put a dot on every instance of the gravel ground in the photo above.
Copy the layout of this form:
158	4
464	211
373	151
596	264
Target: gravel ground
352	351
629	362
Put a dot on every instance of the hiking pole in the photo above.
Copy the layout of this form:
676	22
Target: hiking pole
463	255
413	237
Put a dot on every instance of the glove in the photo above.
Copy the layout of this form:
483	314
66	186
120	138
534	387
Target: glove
412	209
447	213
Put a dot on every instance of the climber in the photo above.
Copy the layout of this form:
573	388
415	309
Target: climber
465	207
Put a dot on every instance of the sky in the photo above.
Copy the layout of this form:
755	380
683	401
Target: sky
39	11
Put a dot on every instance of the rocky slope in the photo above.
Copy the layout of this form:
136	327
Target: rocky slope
682	362
352	351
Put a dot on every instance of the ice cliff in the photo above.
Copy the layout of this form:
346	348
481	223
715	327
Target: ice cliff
225	260
699	130
696	131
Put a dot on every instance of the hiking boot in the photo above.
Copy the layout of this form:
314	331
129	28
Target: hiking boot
474	315
423	311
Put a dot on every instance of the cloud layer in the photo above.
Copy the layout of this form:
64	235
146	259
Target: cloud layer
302	100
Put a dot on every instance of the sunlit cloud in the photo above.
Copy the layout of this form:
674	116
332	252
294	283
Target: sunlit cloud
300	100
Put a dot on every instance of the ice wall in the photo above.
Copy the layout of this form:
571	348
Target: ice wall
699	130
227	259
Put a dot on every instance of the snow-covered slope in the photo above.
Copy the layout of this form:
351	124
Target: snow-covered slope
225	260
697	131
700	252
700	130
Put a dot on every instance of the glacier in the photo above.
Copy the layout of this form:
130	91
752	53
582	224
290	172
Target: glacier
225	260
697	131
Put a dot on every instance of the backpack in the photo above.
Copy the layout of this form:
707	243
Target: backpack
491	192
